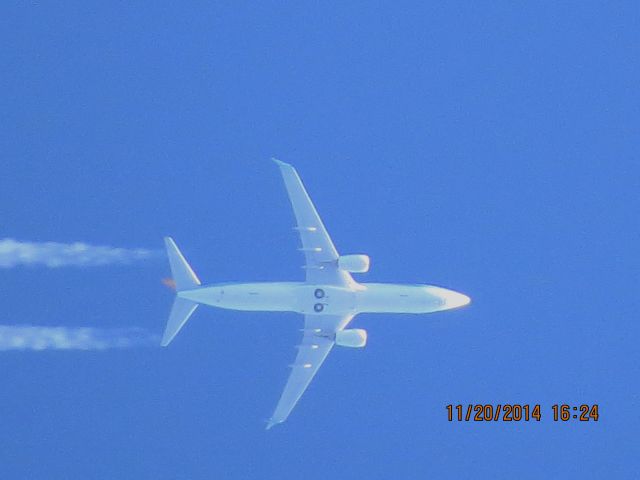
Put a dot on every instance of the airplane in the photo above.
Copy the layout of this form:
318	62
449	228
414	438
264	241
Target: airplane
329	298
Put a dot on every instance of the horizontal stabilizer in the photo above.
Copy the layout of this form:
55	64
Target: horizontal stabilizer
183	276
184	279
180	313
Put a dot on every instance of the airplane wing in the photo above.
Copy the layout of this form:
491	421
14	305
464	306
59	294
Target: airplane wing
317	342
320	253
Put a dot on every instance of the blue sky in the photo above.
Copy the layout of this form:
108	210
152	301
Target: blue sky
489	148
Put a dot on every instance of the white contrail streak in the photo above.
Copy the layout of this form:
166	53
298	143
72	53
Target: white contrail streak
31	337
53	254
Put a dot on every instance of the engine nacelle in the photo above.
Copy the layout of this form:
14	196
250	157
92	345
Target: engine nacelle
354	263
352	337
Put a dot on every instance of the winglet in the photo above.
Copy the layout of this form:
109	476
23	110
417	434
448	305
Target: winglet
271	423
280	162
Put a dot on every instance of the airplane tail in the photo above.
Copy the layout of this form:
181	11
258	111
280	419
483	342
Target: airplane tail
184	279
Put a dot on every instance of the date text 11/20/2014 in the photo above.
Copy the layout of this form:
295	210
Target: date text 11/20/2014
514	412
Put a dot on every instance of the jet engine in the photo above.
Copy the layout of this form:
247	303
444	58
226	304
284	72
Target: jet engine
354	263
352	337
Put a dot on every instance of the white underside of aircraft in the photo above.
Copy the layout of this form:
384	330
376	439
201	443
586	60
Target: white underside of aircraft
329	298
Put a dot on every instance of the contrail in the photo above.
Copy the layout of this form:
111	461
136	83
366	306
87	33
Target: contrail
54	255
31	337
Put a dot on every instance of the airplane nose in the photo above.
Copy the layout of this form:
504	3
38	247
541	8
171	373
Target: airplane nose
445	299
454	299
448	299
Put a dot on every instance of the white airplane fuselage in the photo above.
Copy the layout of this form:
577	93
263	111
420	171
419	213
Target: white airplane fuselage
329	298
308	299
